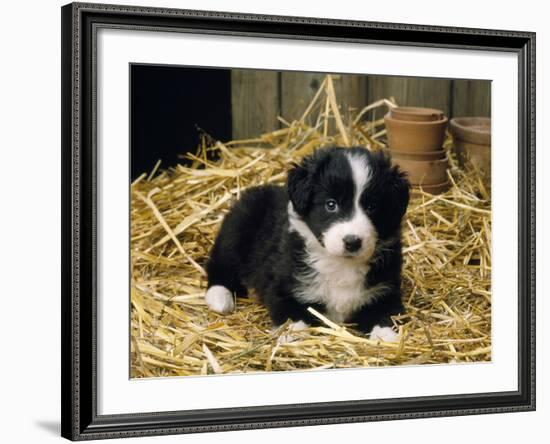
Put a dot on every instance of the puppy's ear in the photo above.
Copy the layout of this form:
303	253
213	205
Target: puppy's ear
301	178
299	187
400	189
397	184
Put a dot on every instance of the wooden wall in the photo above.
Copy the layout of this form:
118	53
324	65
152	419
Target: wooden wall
258	97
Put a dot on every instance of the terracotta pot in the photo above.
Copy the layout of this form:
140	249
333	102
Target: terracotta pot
472	129
415	136
433	189
416	114
426	155
472	139
425	172
480	155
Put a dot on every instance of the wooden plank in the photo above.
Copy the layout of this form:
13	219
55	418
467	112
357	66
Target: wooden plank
351	93
412	91
297	91
471	98
299	88
254	102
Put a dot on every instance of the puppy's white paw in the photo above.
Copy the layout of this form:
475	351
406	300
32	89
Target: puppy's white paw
385	334
219	299
288	336
285	339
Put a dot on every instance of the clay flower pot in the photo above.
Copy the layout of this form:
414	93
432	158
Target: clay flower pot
415	137
426	155
424	172
416	114
437	188
472	139
472	129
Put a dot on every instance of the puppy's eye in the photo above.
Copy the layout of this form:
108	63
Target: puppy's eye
371	207
331	205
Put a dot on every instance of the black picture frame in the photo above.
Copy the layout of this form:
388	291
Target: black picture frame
80	420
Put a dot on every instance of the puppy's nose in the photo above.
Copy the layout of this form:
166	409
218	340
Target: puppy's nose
352	243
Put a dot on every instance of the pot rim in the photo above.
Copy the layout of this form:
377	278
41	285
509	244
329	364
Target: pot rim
417	111
464	128
466	123
435	123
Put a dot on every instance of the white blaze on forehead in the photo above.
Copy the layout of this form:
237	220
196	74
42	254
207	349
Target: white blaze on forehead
359	224
360	172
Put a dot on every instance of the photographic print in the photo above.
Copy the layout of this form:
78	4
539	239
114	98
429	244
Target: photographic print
273	221
298	221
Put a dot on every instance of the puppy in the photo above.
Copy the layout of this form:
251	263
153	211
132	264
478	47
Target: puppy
331	240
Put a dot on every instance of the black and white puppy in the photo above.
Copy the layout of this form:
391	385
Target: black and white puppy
330	240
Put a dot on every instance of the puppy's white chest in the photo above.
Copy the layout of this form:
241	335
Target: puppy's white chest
338	285
343	296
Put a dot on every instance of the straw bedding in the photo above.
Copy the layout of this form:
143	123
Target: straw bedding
175	215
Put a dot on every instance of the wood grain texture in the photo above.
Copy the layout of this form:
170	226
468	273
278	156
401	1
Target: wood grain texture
254	102
471	98
412	91
351	91
298	89
258	97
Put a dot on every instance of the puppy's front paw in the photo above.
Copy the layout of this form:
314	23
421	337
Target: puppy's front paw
385	334
219	299
288	336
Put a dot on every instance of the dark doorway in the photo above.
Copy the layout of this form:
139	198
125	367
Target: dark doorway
170	106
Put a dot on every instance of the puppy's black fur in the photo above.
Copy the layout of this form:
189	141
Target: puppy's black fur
258	249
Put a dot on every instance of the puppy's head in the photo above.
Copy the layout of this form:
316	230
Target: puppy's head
347	199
